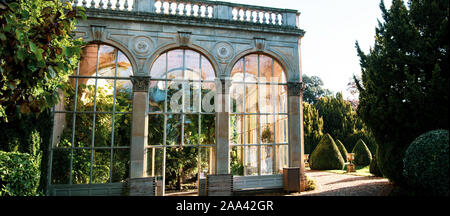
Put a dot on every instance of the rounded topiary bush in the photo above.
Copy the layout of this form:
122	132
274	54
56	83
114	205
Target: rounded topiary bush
342	149
326	156
426	163
373	168
362	154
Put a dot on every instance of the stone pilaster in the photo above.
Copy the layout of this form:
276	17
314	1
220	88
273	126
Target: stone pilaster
222	126
296	146
139	133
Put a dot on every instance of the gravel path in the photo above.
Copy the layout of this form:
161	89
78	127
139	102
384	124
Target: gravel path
331	184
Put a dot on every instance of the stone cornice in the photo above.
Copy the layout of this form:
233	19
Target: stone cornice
191	21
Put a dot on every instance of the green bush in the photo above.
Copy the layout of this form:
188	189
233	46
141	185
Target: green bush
362	154
342	149
326	156
19	174
426	163
373	168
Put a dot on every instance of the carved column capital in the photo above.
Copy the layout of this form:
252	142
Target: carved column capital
295	88
140	83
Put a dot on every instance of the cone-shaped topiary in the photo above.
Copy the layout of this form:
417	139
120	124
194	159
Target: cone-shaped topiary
426	163
326	156
362	154
342	149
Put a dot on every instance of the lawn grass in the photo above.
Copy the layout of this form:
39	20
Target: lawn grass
360	171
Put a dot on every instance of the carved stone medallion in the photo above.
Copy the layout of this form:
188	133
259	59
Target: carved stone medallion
223	51
142	45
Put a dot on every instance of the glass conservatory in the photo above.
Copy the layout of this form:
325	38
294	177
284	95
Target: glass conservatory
173	97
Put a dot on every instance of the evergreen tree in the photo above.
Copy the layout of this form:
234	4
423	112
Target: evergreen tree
312	127
404	84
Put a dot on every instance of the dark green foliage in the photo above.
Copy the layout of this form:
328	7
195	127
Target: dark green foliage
373	168
404	85
19	174
314	89
342	149
426	163
362	154
341	122
326	156
312	127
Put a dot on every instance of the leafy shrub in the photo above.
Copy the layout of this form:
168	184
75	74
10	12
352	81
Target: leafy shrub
342	150
362	154
326	156
19	174
310	184
426	163
373	168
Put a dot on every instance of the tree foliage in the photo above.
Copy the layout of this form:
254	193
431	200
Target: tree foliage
404	85
37	54
314	89
312	127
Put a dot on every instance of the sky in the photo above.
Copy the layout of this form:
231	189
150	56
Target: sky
332	28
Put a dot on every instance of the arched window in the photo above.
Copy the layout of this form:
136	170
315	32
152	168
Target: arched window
258	116
92	125
181	117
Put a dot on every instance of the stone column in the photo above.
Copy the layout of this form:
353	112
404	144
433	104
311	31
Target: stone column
139	128
222	105
296	146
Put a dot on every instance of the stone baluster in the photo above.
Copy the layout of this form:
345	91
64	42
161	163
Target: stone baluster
100	4
161	7
238	17
191	13
177	8
258	17
185	9
118	5
199	11
92	4
108	5
264	17
245	15
270	18
206	11
277	20
75	3
84	3
252	18
170	7
125	6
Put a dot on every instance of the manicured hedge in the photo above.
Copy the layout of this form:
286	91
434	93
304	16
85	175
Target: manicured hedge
19	174
373	168
426	163
342	149
362	154
326	156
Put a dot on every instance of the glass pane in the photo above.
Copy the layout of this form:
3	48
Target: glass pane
206	161
173	130
181	168
67	97
122	129
208	96
251	160
265	67
124	95
251	68
208	73
266	104
101	166
107	61
62	130
237	160
192	65
267	129
208	132
121	165
236	129
86	93
81	166
105	95
175	96
280	99
61	166
282	158
237	74
251	98
155	157
192	97
88	63
157	95
279	76
175	64
252	129
191	135
83	130
266	160
159	67
155	129
103	130
124	66
281	128
237	95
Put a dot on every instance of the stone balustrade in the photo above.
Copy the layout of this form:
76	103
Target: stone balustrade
200	9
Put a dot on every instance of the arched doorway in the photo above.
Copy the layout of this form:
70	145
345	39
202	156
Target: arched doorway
181	133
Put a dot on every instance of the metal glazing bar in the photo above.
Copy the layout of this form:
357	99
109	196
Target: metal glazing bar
93	119
113	116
